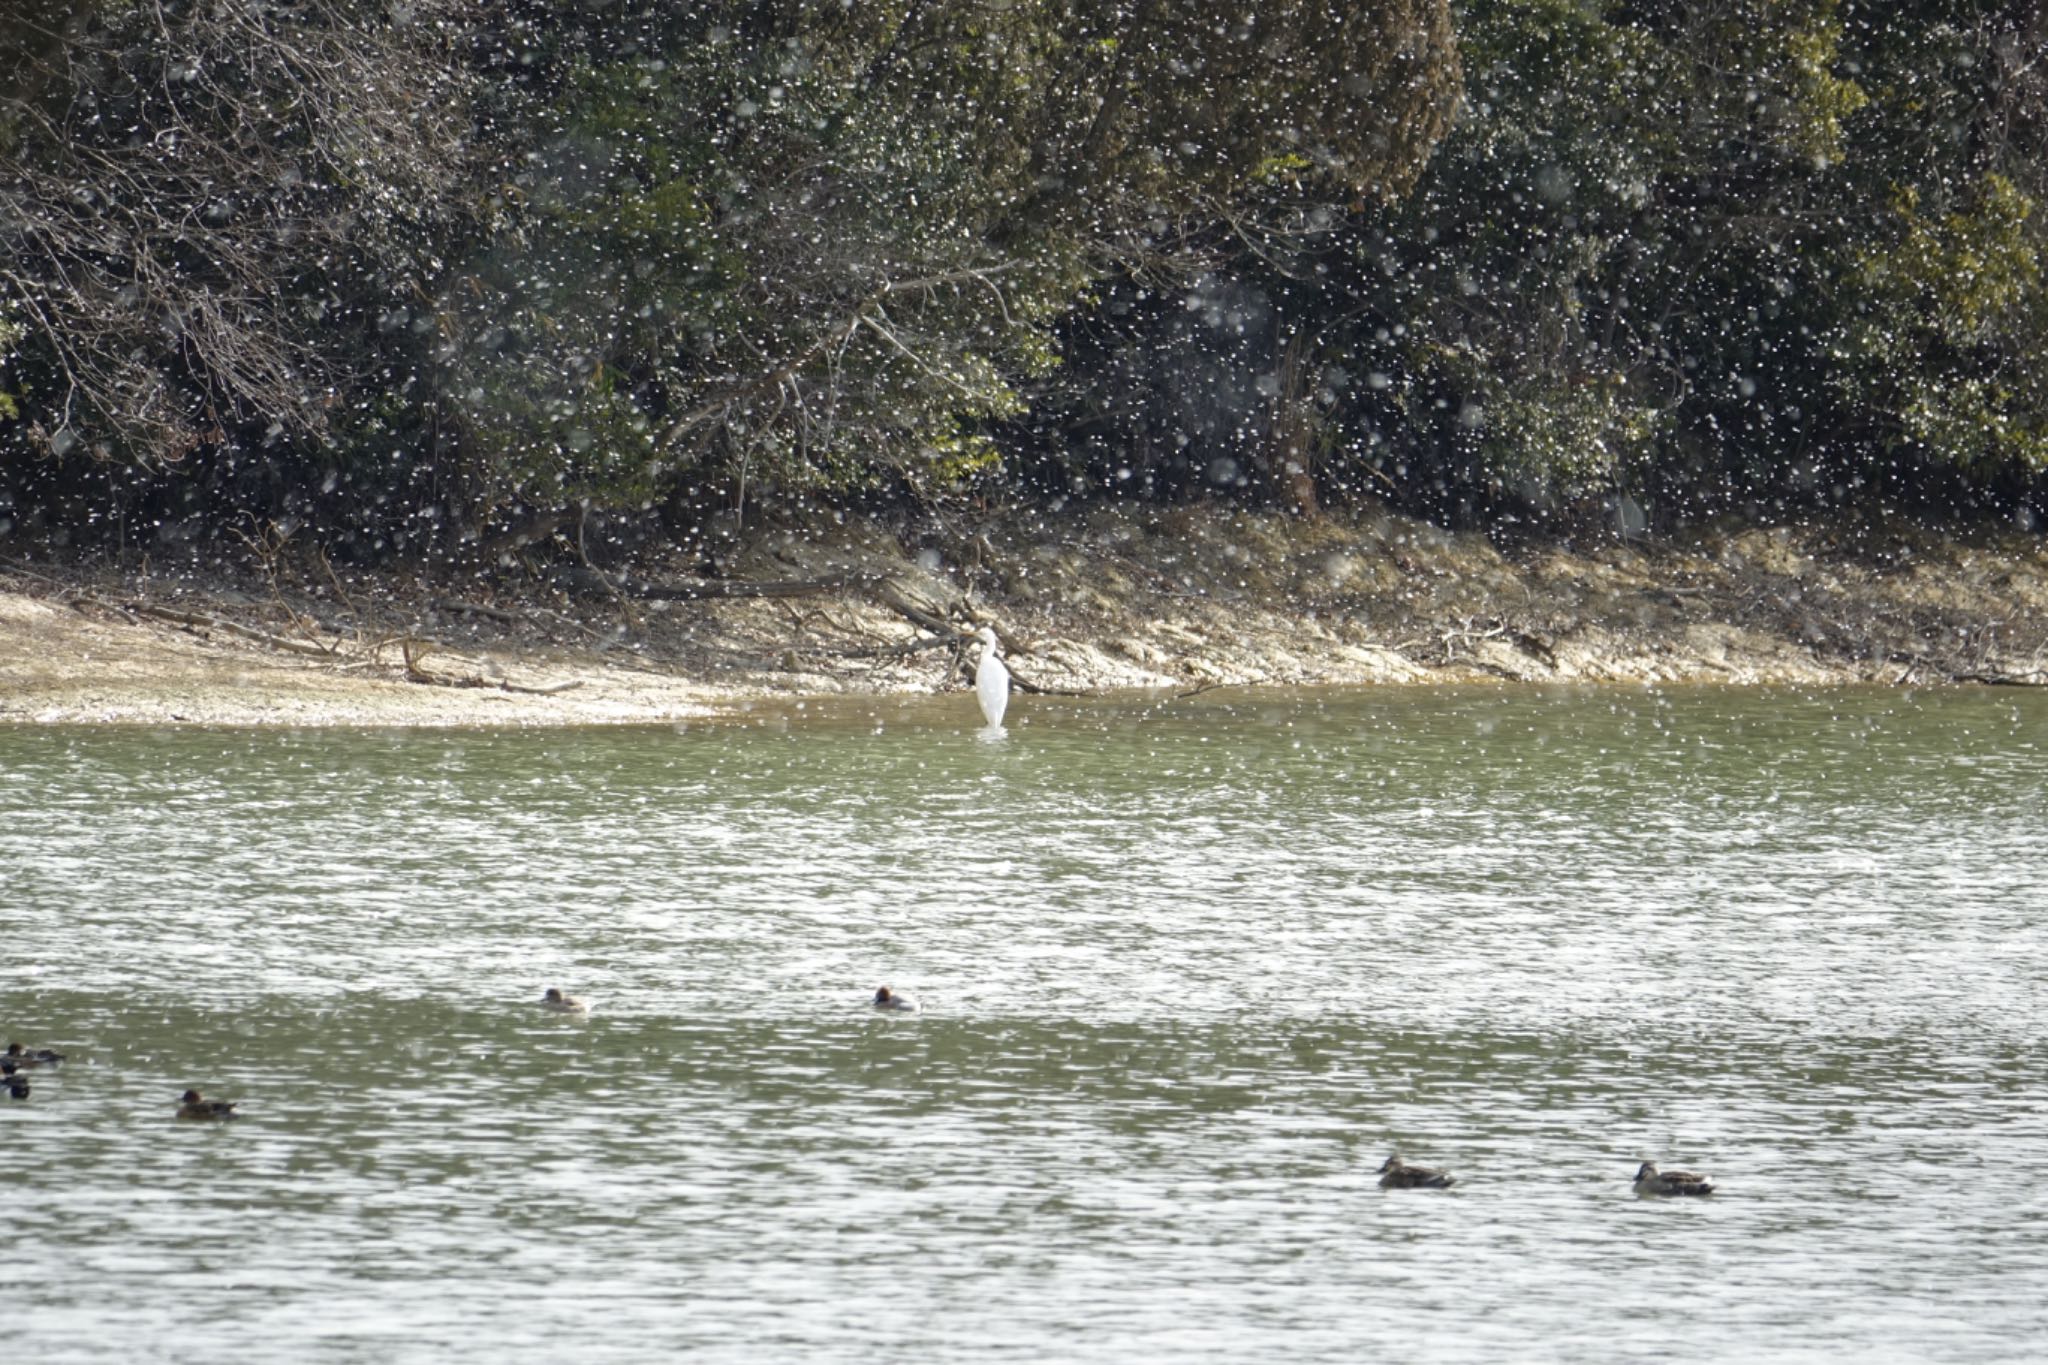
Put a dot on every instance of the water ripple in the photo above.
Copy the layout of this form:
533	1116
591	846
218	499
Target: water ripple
1191	970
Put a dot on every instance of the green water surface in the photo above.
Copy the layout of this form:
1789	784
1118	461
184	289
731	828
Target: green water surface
1191	970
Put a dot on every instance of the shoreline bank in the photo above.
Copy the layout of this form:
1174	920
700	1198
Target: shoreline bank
1184	600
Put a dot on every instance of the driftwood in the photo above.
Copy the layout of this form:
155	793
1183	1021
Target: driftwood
1024	684
877	586
416	671
2036	678
902	651
880	587
1018	680
22	568
775	587
413	648
455	607
590	581
199	620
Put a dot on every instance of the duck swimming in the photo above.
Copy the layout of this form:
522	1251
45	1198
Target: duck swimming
1651	1181
886	999
1397	1174
25	1058
564	1004
193	1105
17	1086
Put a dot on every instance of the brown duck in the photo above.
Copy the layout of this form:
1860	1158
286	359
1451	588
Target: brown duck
1651	1181
1397	1174
193	1105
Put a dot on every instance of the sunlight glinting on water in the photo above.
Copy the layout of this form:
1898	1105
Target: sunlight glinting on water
1191	970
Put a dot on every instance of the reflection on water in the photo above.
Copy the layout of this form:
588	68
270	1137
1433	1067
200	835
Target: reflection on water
1191	970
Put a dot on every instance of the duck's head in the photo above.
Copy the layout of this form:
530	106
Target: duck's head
15	1049
554	995
883	995
1647	1170
1392	1163
191	1097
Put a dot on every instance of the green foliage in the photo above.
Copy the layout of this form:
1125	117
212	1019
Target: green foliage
1825	98
1704	252
1572	436
823	246
1942	305
1663	230
1700	251
1495	290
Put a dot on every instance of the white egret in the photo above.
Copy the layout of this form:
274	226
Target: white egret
991	680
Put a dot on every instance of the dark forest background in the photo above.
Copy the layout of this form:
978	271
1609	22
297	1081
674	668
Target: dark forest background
407	273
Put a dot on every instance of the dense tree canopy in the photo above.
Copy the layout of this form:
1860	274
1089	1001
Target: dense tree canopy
1687	255
411	268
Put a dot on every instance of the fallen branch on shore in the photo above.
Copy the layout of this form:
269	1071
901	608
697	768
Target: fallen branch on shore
898	651
454	607
1023	684
199	620
591	581
416	671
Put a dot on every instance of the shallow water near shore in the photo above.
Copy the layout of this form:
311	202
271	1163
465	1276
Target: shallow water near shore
1191	968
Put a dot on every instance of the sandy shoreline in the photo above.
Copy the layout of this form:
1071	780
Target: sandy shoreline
68	664
1184	601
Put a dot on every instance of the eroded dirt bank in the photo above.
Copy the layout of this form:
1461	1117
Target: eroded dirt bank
1181	599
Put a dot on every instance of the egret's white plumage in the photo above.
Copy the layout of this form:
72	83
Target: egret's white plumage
991	680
